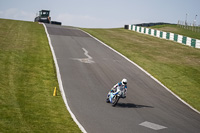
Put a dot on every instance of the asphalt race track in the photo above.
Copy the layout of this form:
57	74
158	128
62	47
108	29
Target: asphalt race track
89	69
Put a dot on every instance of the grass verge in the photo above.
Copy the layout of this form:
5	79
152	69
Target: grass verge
28	78
177	30
175	65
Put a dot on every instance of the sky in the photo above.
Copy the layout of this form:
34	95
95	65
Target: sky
103	13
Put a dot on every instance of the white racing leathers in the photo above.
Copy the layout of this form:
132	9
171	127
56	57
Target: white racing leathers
121	86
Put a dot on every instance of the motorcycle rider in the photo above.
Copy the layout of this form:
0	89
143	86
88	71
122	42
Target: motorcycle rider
122	85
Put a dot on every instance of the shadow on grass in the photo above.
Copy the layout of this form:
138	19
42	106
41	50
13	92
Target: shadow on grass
132	105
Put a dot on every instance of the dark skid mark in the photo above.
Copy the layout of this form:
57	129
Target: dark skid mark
66	32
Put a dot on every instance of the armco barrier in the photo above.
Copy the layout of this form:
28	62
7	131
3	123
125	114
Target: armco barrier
166	35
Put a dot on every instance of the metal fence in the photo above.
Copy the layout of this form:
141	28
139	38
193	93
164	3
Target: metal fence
189	26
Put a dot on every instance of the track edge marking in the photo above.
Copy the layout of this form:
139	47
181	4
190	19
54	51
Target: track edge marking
60	83
145	72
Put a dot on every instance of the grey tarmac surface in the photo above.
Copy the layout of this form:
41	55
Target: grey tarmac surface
89	70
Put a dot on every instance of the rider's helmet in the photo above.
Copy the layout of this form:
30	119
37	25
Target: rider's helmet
124	81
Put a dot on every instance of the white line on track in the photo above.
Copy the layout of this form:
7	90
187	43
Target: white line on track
85	60
145	72
60	83
152	125
86	53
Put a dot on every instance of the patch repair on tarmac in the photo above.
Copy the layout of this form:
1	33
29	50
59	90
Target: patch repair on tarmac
85	60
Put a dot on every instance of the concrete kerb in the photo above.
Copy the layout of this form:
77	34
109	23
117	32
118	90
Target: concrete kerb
146	73
60	83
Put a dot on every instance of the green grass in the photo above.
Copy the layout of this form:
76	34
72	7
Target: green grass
27	80
177	30
175	65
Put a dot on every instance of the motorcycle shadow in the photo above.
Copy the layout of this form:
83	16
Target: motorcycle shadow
132	105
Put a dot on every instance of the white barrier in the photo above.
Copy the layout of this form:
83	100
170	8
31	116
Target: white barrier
166	35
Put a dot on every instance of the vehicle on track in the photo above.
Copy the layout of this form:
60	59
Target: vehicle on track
113	97
44	17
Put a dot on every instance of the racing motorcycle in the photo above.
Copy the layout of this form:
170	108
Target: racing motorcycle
113	97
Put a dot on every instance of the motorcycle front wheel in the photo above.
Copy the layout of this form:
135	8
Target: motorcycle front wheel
115	100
